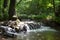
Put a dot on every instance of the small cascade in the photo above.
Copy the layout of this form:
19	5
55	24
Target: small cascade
35	27
27	27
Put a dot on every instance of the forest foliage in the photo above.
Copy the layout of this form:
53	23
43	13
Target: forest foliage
32	9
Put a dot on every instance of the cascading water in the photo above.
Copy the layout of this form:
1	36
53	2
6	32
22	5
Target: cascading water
32	26
35	31
35	27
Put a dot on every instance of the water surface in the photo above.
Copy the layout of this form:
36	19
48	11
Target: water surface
43	33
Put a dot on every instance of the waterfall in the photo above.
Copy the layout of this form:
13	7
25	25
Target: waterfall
34	27
31	27
27	27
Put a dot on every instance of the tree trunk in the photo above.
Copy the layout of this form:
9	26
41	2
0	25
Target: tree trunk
54	6
11	11
56	10
57	13
4	6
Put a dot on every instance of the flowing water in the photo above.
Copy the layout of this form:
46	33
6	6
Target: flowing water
37	33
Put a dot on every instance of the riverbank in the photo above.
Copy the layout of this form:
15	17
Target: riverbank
52	24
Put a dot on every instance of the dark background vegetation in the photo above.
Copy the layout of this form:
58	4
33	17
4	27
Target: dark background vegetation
47	11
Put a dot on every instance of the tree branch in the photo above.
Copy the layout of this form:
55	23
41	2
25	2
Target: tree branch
18	2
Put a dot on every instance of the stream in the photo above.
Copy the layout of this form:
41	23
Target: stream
42	33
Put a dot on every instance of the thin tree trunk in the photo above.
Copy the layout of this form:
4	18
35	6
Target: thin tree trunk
56	10
11	11
54	6
57	13
4	6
